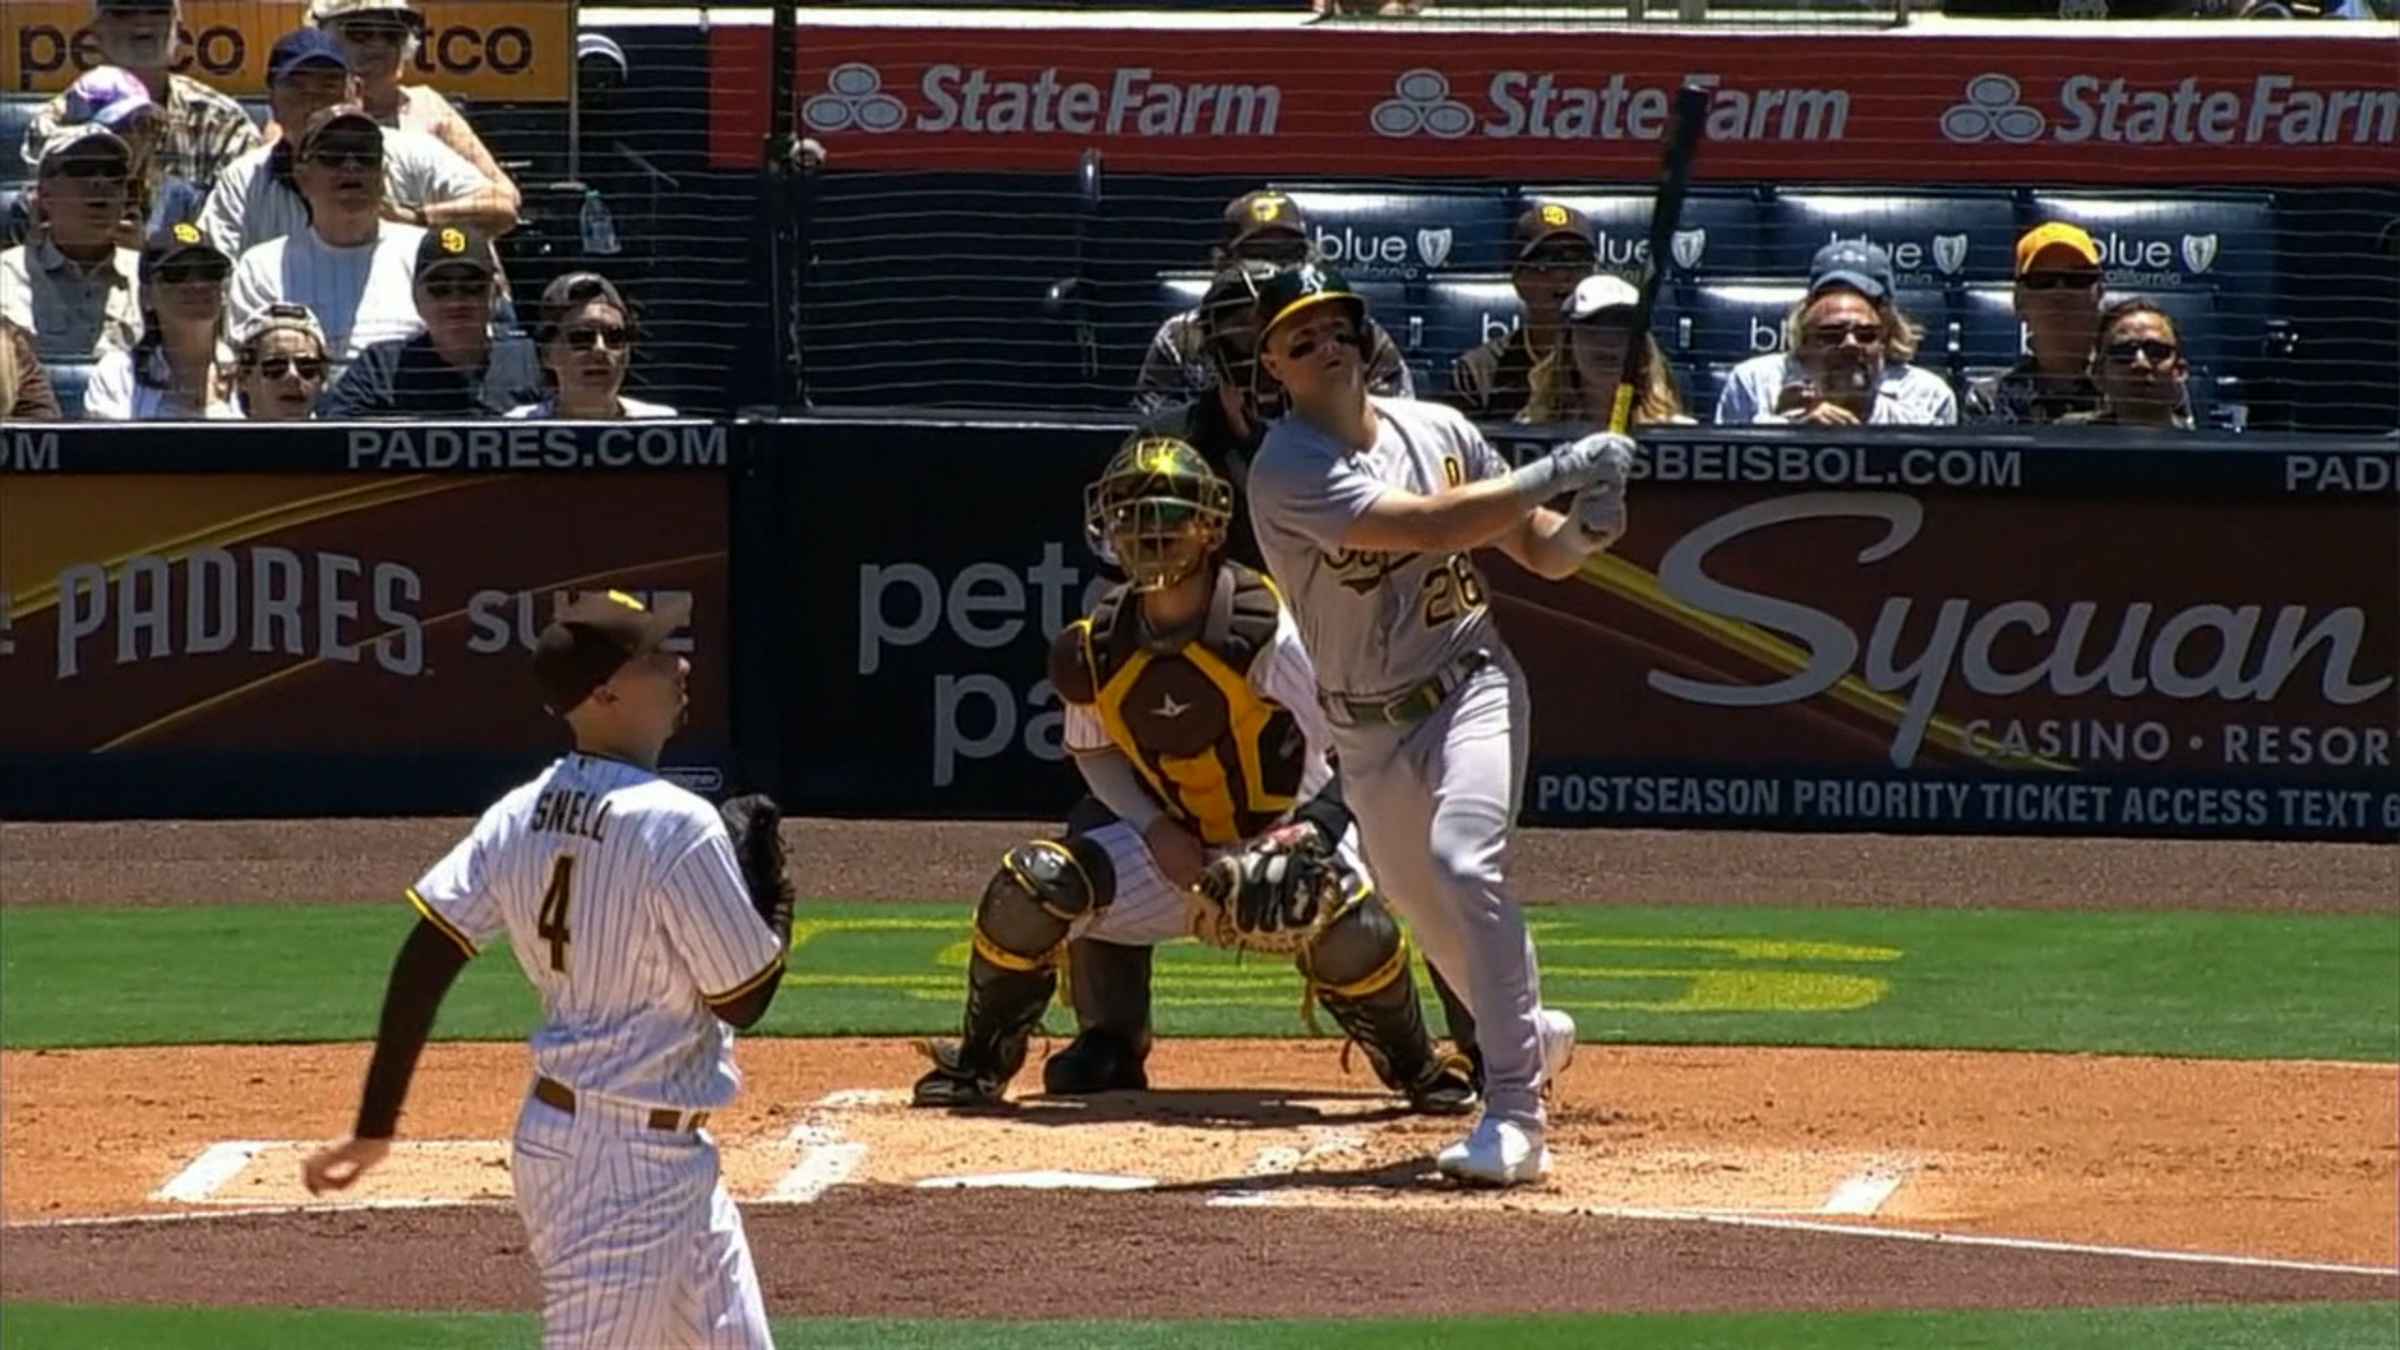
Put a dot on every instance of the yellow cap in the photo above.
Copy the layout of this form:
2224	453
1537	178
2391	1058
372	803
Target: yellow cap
2056	234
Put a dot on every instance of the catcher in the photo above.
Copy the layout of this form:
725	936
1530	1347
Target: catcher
1191	713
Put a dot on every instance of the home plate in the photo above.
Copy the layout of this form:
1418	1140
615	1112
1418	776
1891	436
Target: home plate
1041	1181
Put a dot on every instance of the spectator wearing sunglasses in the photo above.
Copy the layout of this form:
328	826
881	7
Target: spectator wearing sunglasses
2058	300
181	370
351	267
586	338
456	368
1848	358
380	37
1264	226
114	98
2137	360
72	286
205	130
424	182
25	392
280	365
1555	252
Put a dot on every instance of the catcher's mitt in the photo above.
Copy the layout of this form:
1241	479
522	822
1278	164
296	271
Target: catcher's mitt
753	821
1271	895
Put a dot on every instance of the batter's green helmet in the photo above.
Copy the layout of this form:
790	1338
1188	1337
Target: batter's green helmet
1296	290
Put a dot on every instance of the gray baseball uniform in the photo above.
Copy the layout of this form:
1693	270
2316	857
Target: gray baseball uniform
1436	792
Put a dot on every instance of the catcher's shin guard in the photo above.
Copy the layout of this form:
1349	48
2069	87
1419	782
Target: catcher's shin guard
1020	925
1110	985
1359	969
1460	1022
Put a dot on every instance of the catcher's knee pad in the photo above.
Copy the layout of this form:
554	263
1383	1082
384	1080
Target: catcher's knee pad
1041	889
1359	954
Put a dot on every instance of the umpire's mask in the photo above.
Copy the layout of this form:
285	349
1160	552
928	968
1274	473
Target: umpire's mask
1158	511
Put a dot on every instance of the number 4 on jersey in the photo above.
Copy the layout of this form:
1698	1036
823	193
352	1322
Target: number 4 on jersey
552	924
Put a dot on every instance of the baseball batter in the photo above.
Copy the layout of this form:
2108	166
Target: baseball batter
650	931
1191	713
1369	511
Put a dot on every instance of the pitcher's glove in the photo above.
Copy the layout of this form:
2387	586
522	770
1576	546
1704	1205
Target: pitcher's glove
1274	894
753	821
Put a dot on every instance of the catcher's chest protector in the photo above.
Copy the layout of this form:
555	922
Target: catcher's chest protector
1225	760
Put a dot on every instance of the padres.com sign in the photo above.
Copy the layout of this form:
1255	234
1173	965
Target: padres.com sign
518	50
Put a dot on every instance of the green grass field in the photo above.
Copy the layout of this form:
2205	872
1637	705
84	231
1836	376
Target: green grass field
2170	984
2336	1326
2235	986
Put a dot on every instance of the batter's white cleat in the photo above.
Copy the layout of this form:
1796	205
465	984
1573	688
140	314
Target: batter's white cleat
1558	1043
1496	1153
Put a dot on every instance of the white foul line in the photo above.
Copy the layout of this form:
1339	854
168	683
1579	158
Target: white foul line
229	1211
1974	1240
216	1165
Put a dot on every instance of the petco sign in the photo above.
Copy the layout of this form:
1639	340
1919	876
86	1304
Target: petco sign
1812	107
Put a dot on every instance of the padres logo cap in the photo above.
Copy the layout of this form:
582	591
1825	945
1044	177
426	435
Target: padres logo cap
178	240
1261	212
454	248
1544	221
593	637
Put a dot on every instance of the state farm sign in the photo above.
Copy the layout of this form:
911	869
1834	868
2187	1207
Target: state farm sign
1790	108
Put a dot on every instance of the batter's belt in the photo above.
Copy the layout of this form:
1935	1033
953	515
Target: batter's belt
1411	705
551	1092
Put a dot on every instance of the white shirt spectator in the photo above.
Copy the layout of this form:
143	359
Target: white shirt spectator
114	395
1908	395
250	207
362	294
626	407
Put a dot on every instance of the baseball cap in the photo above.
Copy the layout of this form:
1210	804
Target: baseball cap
175	241
1861	266
592	638
282	316
1262	212
562	296
98	5
334	11
301	48
454	246
107	96
339	117
1596	295
2056	234
1294	289
1550	220
87	140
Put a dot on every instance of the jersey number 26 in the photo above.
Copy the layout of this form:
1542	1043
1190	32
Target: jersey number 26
1452	589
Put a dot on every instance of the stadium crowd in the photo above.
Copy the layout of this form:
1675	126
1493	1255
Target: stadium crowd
186	263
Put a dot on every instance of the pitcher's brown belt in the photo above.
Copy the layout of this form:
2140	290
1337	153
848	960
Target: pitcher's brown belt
551	1092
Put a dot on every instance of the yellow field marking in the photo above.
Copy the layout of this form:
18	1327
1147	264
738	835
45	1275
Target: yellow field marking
1740	949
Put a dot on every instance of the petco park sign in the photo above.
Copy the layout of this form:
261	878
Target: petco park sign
1278	99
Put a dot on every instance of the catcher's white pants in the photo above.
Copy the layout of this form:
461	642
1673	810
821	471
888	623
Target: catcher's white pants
638	1244
1435	803
1149	909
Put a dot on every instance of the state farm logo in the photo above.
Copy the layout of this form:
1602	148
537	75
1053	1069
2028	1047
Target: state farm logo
1369	255
1421	102
1994	108
2270	109
854	100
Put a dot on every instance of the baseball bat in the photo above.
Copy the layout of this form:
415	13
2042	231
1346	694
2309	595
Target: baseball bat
1674	184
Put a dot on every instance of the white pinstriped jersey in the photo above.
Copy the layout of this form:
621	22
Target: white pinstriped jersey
1376	623
1280	674
623	903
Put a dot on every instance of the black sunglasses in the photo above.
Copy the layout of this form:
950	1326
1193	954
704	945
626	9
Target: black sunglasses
185	273
1554	260
276	367
2159	352
589	336
1833	334
458	289
347	157
2059	281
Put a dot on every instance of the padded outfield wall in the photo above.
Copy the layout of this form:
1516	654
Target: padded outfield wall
1882	631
